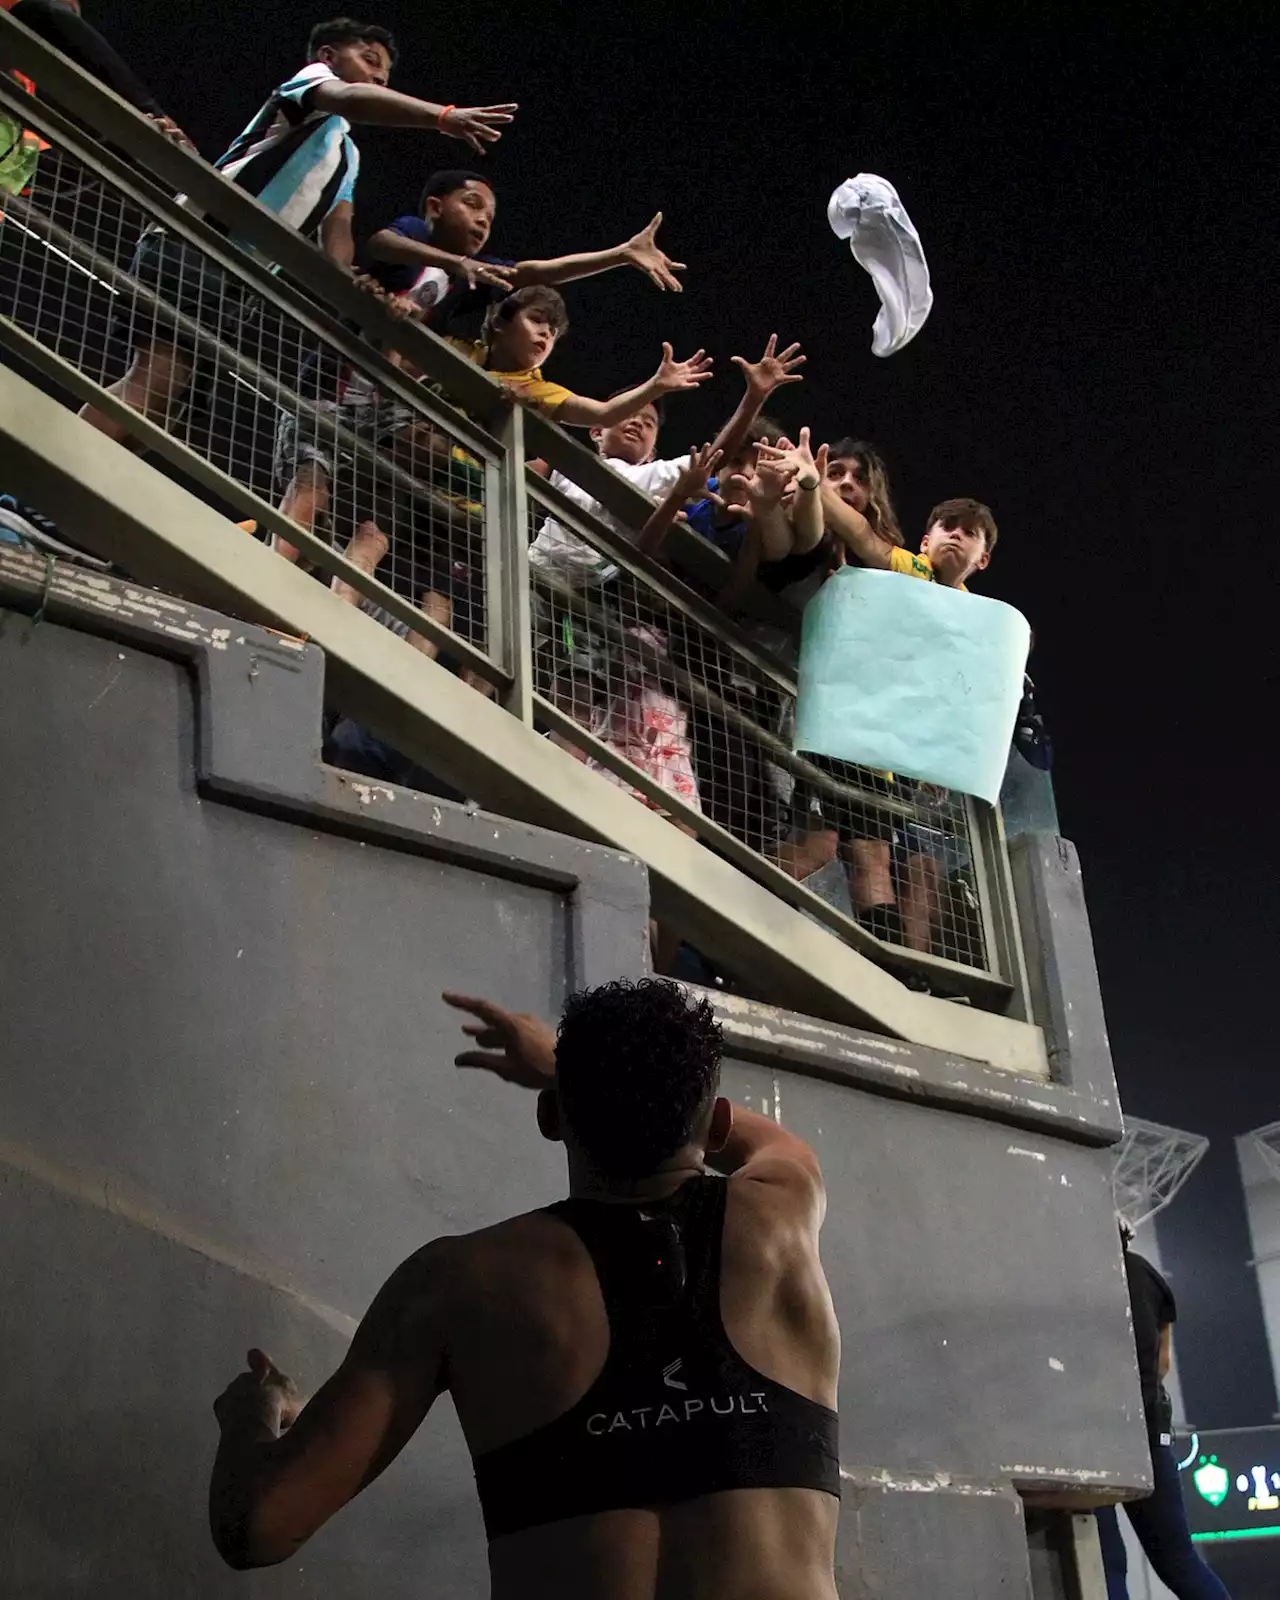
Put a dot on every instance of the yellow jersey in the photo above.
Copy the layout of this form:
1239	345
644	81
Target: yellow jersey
529	386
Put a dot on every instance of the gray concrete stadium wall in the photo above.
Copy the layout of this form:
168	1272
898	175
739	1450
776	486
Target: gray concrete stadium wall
227	1110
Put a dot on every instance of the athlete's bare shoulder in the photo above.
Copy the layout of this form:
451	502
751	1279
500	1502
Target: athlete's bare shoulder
516	1246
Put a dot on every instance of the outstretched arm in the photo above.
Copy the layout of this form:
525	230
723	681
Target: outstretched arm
743	571
641	251
520	1049
388	245
854	531
758	497
690	485
276	1480
579	412
808	472
762	377
388	108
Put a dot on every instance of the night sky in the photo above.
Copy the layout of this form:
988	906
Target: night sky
1093	197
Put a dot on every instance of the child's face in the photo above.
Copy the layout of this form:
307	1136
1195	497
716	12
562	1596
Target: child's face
632	441
956	552
847	476
523	342
358	61
463	220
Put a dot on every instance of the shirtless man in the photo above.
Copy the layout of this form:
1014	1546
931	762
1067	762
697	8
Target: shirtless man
629	1444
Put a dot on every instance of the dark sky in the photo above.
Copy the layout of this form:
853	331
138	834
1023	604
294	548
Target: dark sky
1096	196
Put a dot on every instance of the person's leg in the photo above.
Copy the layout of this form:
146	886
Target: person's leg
306	499
807	851
1115	1558
919	902
437	607
870	863
367	548
157	377
1160	1521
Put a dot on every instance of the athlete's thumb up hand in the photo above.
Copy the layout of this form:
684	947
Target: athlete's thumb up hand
264	1397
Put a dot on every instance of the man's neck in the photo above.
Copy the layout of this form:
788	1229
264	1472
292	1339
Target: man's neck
586	1183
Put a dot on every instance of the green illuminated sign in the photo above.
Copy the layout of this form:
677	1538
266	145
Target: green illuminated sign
1237	1533
1212	1481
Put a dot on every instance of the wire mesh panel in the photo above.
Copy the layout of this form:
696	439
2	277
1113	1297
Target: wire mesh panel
224	368
705	714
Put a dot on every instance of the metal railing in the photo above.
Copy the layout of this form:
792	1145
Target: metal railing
379	457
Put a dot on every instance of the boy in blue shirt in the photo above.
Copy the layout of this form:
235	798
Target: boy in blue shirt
438	256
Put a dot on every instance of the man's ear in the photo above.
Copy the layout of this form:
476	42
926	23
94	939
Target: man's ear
549	1116
721	1126
434	206
984	563
596	435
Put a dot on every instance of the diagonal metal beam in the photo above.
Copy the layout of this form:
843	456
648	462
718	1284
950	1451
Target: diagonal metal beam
1152	1163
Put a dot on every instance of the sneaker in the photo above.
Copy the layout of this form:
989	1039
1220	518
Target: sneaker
32	530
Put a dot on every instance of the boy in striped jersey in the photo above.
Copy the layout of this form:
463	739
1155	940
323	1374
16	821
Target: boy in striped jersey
298	158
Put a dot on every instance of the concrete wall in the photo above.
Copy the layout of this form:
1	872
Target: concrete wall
227	1110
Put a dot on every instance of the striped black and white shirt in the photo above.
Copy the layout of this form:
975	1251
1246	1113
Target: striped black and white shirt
299	162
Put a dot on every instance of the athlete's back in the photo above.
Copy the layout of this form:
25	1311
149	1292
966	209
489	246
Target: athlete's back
645	1374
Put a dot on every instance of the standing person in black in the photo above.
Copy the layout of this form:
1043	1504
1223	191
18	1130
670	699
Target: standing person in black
1160	1521
645	1372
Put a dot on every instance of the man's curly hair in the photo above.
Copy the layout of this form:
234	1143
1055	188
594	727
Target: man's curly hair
637	1065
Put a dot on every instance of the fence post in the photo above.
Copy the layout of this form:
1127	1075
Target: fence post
998	903
507	568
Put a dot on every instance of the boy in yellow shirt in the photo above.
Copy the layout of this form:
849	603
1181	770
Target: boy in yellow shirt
960	536
521	331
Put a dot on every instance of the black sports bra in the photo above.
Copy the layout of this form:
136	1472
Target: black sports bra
676	1412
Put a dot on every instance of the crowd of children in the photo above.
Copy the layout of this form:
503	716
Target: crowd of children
784	513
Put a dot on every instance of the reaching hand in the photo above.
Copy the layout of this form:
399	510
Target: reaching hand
477	125
643	252
262	1395
673	374
798	458
702	465
400	307
474	272
772	370
755	493
171	131
515	1046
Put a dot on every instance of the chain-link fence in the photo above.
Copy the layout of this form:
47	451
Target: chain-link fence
694	715
221	366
